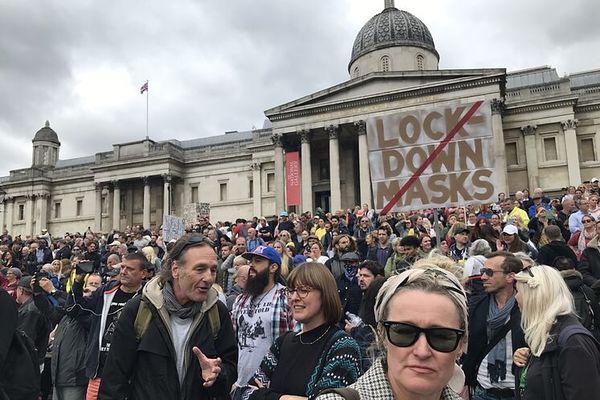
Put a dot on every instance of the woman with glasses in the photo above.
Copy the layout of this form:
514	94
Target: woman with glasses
421	323
580	239
563	359
320	356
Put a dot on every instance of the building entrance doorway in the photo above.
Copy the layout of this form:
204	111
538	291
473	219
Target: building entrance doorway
323	200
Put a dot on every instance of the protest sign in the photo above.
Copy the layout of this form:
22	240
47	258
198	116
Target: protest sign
432	157
173	227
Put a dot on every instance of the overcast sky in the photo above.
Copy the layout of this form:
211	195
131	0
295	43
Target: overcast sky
215	66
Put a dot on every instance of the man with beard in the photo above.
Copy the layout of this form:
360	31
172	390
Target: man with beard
261	314
342	244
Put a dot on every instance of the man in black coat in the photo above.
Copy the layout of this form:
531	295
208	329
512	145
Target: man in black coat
555	248
494	323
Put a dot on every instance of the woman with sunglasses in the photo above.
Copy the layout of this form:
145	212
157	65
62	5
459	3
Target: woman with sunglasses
421	323
580	239
320	356
563	359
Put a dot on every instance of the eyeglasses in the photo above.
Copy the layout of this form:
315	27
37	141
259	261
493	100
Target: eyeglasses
585	221
489	271
302	291
444	340
528	270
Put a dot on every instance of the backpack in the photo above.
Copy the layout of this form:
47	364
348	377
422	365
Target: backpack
144	316
20	374
585	310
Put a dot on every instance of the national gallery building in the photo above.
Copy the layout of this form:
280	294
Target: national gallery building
313	151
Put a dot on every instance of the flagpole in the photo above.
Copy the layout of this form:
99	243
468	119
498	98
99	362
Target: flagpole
147	95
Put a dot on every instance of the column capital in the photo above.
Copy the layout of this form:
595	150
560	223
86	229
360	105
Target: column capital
305	135
276	139
146	180
167	177
333	131
569	124
361	126
498	106
42	195
255	166
115	184
29	196
98	186
528	130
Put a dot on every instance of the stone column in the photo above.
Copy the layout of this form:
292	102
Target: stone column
363	164
146	219
307	190
116	214
499	145
42	208
9	203
98	209
167	194
256	188
279	174
531	155
3	214
29	215
569	128
334	168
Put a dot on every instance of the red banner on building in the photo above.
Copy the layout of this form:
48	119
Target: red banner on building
292	178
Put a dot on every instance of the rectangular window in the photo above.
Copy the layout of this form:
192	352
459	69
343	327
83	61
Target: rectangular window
56	210
79	207
222	191
270	182
587	150
250	188
21	215
550	152
195	194
512	157
104	206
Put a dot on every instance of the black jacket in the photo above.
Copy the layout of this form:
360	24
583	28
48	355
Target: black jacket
83	308
478	340
68	352
571	372
147	369
33	321
589	265
554	249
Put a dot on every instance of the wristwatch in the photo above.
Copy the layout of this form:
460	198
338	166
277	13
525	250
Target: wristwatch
53	292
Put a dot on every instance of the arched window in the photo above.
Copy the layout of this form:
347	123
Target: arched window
385	63
420	62
355	72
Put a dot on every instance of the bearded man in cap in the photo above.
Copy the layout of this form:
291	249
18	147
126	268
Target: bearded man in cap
261	314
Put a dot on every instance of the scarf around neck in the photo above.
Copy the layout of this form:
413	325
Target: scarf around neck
497	356
186	311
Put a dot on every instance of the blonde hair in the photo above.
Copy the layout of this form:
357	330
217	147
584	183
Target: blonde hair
545	296
437	260
286	260
149	254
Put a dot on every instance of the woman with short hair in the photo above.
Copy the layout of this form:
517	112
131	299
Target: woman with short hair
422	324
563	359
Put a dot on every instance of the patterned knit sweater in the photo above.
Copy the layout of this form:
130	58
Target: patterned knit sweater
338	365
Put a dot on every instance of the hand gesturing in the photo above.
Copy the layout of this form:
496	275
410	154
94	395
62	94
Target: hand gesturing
211	367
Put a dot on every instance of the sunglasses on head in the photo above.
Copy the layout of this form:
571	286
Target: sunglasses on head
401	334
192	240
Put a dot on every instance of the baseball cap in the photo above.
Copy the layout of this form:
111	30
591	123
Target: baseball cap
510	230
265	252
115	243
594	180
25	283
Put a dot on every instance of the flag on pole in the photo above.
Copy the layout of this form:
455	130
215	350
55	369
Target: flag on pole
144	88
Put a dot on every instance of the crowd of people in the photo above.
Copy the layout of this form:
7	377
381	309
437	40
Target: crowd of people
495	301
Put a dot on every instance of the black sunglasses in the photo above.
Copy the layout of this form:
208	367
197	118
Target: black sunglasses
528	270
444	340
489	271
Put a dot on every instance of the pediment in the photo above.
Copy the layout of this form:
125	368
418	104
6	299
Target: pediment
375	85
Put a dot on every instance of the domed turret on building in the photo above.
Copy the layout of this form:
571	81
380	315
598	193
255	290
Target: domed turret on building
46	147
393	40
